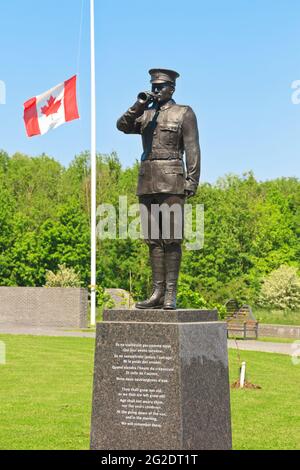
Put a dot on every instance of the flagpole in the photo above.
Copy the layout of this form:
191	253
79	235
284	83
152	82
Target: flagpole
93	167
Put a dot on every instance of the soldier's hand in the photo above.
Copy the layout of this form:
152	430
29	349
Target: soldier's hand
138	107
146	97
188	193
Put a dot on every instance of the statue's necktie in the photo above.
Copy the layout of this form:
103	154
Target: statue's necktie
148	132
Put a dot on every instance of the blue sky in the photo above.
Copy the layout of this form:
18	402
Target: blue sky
237	60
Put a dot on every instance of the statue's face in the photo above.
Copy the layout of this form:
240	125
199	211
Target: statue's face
163	91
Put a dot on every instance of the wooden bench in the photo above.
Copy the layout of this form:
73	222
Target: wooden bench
240	319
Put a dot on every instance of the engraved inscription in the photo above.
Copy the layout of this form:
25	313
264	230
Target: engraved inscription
141	373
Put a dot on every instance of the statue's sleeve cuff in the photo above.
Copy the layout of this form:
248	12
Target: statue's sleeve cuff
190	186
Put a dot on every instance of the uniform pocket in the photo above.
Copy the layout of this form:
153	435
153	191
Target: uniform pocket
168	134
170	180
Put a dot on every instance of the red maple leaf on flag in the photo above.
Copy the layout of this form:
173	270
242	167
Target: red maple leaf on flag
52	106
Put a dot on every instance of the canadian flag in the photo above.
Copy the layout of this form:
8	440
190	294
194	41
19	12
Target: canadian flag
51	109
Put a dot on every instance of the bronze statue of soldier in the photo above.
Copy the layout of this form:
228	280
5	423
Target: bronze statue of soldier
168	132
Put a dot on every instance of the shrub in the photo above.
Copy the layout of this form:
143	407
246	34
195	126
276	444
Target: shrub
188	295
281	289
104	300
64	277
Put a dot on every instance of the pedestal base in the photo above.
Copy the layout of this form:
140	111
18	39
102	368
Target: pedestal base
161	381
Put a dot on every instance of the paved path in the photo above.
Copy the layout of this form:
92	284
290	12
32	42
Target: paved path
44	331
252	345
246	345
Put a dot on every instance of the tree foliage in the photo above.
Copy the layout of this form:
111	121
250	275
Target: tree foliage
281	289
251	229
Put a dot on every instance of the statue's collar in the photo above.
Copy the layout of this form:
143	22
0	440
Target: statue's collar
167	105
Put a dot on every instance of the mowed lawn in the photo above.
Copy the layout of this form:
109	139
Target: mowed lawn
46	392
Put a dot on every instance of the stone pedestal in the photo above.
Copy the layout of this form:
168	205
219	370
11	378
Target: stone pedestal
161	381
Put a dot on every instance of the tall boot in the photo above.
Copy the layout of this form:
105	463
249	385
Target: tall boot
157	261
173	255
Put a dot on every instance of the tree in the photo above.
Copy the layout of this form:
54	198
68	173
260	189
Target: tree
251	229
281	289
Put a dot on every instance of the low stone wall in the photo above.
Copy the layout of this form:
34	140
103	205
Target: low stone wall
279	331
43	306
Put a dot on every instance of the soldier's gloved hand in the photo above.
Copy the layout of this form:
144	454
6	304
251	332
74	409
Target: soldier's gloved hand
139	107
146	97
188	193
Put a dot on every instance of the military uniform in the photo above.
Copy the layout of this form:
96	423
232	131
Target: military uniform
168	131
175	132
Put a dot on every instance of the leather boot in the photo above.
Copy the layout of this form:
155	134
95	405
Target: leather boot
173	260
157	261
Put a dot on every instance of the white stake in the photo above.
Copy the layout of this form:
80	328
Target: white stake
93	167
242	375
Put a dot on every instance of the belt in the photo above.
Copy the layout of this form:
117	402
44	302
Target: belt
165	156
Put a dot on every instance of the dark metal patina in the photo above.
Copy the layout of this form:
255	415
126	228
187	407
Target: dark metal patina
169	131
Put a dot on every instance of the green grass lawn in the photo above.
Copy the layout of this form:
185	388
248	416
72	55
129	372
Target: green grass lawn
46	391
277	317
265	339
270	339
